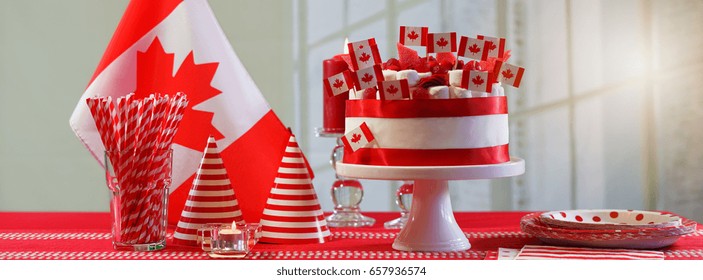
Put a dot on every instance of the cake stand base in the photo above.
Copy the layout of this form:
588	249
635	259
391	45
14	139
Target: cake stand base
431	225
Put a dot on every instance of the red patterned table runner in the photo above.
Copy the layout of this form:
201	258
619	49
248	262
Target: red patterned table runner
86	236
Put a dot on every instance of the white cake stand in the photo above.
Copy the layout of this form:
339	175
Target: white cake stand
431	225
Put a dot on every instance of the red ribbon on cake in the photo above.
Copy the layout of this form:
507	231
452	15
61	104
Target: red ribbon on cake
431	108
416	157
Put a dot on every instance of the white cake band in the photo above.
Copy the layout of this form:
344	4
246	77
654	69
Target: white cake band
436	133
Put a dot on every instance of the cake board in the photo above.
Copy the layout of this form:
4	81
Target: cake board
431	225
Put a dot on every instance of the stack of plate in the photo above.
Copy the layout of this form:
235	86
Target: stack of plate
607	228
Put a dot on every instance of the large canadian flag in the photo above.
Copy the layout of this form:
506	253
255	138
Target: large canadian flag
168	46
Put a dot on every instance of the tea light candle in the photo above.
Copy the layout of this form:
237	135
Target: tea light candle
230	241
229	233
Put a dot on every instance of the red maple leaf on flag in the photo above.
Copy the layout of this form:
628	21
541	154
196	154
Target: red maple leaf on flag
155	75
338	83
367	78
391	89
355	138
442	43
477	80
507	74
474	49
491	46
364	57
412	36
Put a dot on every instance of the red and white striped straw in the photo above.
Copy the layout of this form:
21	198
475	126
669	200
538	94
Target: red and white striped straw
133	131
162	166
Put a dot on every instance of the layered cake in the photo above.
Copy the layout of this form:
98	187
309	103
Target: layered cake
433	111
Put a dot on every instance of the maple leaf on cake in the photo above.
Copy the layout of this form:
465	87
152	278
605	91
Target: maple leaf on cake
474	49
491	46
477	80
367	78
338	83
496	47
413	36
364	57
507	74
155	74
394	90
365	53
441	42
510	74
355	138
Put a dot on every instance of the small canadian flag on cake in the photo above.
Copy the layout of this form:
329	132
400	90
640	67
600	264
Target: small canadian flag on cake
364	54
339	83
496	46
510	74
473	48
413	35
476	81
394	90
357	138
441	42
368	77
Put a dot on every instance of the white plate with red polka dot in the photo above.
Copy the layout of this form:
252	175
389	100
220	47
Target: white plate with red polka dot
609	219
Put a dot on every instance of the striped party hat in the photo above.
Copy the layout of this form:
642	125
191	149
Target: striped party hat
292	213
211	199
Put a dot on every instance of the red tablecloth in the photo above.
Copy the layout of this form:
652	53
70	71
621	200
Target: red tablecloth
87	236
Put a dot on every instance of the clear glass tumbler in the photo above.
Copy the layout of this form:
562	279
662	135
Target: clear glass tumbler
138	183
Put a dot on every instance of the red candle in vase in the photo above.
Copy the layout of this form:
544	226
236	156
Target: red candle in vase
333	106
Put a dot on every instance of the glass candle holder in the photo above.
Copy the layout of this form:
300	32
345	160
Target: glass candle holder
403	198
138	198
346	194
232	240
204	238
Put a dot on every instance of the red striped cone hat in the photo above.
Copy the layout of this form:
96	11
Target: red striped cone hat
292	213
211	199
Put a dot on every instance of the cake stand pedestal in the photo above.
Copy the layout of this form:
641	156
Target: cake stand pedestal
431	225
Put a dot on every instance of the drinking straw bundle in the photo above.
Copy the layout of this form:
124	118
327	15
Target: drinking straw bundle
137	135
